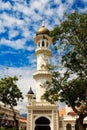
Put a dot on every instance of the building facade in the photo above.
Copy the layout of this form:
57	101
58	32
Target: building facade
67	119
42	115
6	118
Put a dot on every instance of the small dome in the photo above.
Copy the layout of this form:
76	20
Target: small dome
42	30
30	91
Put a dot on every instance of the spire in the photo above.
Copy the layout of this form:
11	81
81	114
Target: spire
43	24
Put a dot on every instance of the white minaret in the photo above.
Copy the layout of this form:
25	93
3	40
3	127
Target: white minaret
43	53
41	114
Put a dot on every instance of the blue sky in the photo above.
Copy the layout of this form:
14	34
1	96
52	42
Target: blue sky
19	22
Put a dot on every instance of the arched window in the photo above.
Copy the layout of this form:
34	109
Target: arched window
68	127
42	43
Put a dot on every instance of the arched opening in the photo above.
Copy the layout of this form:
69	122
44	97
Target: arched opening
42	123
42	43
68	127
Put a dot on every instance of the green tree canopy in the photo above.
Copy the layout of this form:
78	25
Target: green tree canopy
10	94
71	86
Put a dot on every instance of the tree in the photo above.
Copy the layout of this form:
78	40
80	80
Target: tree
10	94
71	85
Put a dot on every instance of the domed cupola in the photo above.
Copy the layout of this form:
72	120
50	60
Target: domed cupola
30	91
42	38
30	96
43	30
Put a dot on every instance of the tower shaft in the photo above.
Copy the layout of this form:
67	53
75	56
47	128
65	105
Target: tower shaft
42	74
42	114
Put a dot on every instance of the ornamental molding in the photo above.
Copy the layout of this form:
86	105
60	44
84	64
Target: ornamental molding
44	108
43	50
41	74
42	111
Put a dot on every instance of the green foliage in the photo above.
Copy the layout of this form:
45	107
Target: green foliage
9	91
70	86
2	128
10	94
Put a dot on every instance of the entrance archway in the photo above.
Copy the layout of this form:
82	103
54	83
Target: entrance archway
68	127
42	123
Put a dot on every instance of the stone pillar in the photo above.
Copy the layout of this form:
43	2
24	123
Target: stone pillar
73	126
64	126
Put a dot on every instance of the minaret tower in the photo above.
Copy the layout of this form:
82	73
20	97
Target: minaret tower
43	53
42	115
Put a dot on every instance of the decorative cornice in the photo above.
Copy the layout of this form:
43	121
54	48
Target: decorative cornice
42	73
44	108
46	51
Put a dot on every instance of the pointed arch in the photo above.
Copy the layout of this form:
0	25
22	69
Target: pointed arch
42	123
68	126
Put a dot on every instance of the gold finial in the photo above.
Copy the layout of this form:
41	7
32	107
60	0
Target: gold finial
43	30
43	25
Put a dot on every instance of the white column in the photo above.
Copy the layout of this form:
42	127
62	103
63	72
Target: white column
64	126
57	120
52	126
32	120
27	121
73	126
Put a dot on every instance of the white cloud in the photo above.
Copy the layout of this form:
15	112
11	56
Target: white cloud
84	10
57	2
13	33
2	29
10	21
61	9
49	12
5	5
70	1
85	1
39	5
22	8
14	44
30	18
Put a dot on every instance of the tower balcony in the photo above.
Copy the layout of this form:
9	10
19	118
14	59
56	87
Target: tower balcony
46	51
42	74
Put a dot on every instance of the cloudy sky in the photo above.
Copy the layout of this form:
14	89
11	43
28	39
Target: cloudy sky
19	22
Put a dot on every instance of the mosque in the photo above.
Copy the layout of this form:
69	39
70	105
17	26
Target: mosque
42	115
